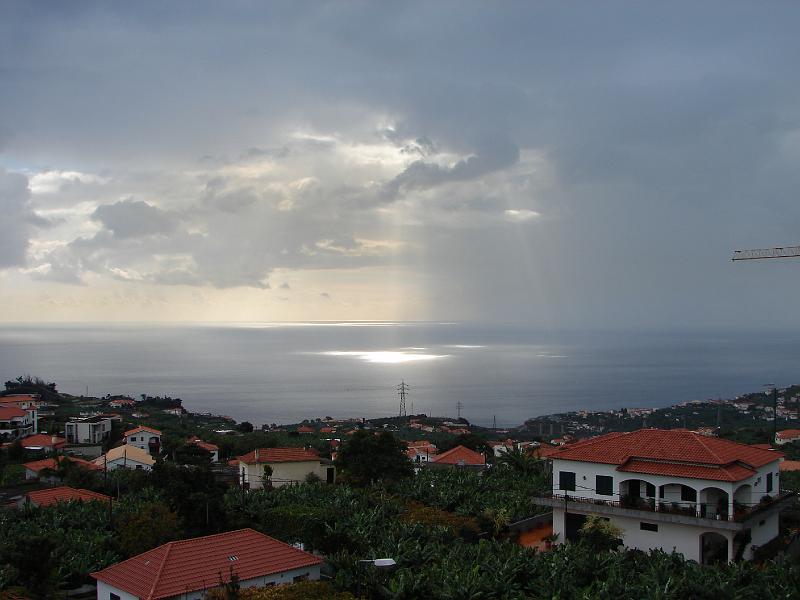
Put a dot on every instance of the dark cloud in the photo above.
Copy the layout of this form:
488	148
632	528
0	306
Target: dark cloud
651	138
134	218
490	155
17	219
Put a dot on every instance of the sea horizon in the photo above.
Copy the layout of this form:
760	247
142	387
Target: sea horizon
285	372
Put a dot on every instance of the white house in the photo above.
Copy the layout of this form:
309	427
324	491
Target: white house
125	457
212	449
421	451
145	438
706	498
500	447
87	430
187	569
15	423
286	465
787	436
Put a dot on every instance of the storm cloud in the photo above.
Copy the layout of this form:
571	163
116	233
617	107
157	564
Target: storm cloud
551	164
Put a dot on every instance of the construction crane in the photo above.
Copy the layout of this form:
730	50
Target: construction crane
759	253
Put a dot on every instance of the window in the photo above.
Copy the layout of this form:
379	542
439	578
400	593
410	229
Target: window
566	481
769	482
651	490
604	485
648	526
688	494
113	596
299	578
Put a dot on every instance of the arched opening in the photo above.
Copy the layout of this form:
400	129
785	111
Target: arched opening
743	499
678	498
713	548
637	493
714	503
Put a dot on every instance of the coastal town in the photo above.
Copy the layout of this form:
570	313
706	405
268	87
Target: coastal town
251	507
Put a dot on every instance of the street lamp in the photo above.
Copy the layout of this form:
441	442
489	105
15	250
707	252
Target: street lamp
772	389
378	563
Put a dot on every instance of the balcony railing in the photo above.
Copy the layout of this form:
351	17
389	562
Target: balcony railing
713	511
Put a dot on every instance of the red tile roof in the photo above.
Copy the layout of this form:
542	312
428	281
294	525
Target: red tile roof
273	455
421	444
459	456
196	564
790	465
206	445
42	440
64	494
762	446
327	430
304	429
731	472
142	428
52	463
545	451
788	434
676	452
11	412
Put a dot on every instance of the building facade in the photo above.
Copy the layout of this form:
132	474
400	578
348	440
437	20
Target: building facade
87	430
709	499
145	438
275	467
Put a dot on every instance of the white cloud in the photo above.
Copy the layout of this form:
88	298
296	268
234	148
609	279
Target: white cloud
520	215
50	182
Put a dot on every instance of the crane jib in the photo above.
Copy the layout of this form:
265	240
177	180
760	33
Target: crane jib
787	252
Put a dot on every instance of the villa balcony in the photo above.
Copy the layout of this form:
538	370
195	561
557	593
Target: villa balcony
687	513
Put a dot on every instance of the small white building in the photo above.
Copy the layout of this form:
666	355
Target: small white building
421	451
125	457
286	465
787	436
87	430
187	569
500	447
706	498
15	423
145	438
212	449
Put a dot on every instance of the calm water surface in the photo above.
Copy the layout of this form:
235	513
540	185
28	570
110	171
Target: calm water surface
287	372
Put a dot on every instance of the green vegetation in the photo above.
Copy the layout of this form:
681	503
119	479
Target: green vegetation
447	529
368	457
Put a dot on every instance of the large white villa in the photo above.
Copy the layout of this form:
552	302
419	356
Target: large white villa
706	498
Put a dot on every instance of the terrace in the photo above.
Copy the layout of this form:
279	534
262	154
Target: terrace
688	513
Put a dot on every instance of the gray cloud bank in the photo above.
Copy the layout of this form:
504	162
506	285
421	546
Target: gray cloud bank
562	165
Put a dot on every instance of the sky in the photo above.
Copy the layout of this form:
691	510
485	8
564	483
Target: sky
568	165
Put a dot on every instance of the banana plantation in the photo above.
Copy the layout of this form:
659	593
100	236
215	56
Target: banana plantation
446	530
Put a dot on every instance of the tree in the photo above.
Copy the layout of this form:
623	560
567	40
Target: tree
16	452
147	525
192	454
366	457
600	534
245	427
520	461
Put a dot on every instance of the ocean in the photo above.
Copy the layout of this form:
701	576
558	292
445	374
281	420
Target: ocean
286	372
